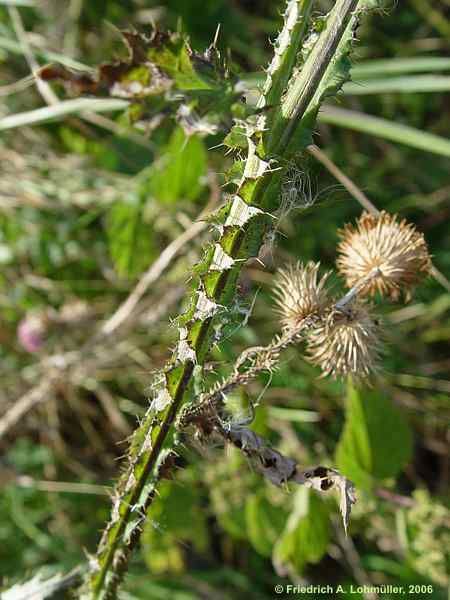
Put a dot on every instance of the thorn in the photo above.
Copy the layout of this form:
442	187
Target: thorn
215	148
216	36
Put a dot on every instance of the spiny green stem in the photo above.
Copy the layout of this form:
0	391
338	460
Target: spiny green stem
113	549
305	87
295	26
121	558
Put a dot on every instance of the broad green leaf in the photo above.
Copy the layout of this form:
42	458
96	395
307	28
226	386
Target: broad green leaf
264	523
306	535
231	517
179	174
169	526
383	128
131	242
175	58
236	139
376	442
228	501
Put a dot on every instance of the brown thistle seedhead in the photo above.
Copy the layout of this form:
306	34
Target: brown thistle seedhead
395	248
299	294
345	343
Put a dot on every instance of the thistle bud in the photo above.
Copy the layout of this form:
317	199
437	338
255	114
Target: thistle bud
391	248
299	293
345	343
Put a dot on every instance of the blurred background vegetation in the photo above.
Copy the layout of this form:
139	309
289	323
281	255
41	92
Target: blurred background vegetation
88	203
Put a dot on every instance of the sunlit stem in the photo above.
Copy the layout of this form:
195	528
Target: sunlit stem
356	289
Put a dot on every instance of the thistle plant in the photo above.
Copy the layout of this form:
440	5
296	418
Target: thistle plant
342	337
310	62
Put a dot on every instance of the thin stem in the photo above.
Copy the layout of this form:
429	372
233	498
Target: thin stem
354	291
44	89
349	185
305	86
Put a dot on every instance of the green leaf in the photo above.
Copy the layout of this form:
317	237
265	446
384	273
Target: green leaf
131	241
376	441
236	139
264	522
231	518
161	70
168	525
175	58
228	501
306	535
179	175
383	128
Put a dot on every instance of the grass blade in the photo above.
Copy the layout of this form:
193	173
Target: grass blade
14	47
402	85
389	130
67	107
17	2
400	66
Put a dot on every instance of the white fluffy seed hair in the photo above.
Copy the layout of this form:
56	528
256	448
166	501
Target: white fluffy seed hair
346	343
382	242
299	293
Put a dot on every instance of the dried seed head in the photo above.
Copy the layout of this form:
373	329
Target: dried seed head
396	249
345	343
299	293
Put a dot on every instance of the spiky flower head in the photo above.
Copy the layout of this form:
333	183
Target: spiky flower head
345	343
299	293
393	251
